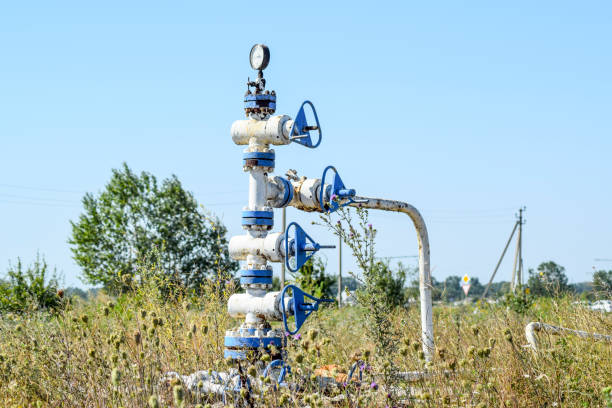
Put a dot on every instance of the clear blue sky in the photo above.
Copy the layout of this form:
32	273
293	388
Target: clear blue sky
465	110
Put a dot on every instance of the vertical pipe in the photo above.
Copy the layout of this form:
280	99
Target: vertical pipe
339	272
257	189
282	279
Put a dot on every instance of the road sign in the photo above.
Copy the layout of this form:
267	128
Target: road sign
465	284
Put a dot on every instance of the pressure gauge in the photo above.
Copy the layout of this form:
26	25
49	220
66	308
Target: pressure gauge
260	56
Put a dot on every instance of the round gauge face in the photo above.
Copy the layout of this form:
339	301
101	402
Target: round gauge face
260	56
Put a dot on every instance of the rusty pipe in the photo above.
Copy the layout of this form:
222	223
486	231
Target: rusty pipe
424	265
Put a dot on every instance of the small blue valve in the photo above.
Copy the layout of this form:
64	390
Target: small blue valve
335	195
300	246
300	131
298	307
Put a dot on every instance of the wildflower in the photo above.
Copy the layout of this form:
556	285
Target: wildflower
106	311
84	318
374	386
527	291
299	358
370	226
252	371
204	329
333	197
137	337
297	336
143	314
265	358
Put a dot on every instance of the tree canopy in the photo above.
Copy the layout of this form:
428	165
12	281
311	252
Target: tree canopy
548	280
135	216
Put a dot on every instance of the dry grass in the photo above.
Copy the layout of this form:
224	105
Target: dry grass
113	352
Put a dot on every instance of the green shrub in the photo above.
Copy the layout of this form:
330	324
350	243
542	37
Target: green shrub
28	288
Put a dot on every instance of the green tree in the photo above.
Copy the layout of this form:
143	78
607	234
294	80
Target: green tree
312	278
548	280
133	217
29	288
602	283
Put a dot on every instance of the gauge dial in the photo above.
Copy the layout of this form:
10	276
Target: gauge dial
260	56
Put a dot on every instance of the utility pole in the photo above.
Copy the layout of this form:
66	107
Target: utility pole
518	254
500	261
339	271
282	280
520	240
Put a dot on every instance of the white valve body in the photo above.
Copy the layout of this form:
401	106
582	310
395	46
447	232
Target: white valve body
270	247
274	130
255	302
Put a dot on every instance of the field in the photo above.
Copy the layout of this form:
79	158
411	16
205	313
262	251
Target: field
113	352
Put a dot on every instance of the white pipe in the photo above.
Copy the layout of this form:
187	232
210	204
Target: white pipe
427	335
257	189
533	327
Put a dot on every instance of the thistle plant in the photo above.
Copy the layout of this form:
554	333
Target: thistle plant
359	235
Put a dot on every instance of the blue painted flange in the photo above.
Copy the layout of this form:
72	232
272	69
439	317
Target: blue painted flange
241	348
258	218
263	159
260	101
256	276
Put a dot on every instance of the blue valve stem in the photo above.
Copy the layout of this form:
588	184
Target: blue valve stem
346	193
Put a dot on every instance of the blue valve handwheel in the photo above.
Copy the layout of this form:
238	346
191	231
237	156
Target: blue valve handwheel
300	131
300	245
336	188
301	310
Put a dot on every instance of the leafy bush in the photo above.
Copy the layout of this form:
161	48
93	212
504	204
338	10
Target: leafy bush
133	216
29	288
519	302
602	284
312	278
548	280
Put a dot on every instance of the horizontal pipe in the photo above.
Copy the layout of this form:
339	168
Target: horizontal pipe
532	328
